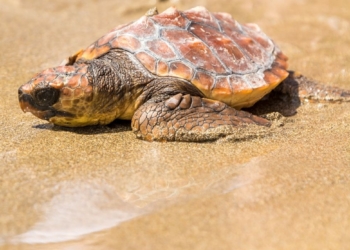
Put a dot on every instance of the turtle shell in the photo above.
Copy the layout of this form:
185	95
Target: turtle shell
234	63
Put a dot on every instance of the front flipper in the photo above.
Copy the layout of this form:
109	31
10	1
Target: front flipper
297	85
190	118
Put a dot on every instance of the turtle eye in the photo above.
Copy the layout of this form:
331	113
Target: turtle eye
46	96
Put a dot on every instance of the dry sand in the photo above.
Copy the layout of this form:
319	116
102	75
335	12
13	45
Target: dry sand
100	188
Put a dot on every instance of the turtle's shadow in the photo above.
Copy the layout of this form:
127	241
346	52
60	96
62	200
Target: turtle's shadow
278	100
116	126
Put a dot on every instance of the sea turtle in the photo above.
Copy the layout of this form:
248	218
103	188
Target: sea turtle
178	75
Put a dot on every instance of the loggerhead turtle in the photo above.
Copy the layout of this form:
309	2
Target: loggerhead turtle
177	75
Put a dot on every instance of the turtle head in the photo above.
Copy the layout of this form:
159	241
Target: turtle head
66	96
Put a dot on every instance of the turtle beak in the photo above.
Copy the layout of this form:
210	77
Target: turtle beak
23	101
27	104
24	106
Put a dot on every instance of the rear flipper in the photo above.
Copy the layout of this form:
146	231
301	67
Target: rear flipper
296	85
192	118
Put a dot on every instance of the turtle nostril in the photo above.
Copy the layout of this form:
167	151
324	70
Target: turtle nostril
20	91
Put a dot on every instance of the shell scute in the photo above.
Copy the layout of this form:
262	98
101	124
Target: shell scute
255	32
281	63
256	81
179	69
127	42
229	53
194	50
93	51
143	27
226	21
271	78
201	15
162	68
251	48
147	60
204	82
171	18
278	71
222	89
241	91
161	49
106	38
239	85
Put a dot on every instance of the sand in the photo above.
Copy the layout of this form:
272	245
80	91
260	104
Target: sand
101	188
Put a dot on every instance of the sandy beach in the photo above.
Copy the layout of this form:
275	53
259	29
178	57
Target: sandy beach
101	188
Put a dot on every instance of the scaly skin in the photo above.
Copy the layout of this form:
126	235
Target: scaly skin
188	118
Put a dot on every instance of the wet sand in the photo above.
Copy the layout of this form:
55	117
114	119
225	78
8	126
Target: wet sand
100	188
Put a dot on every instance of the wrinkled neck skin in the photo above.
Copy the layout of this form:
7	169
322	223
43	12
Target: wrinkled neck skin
117	80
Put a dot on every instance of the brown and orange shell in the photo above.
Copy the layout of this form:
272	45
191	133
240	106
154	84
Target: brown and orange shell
237	64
